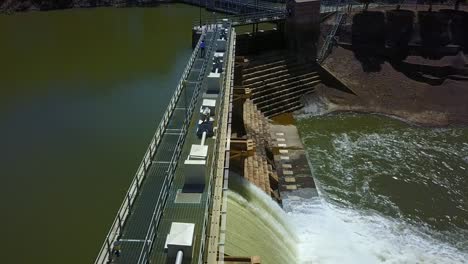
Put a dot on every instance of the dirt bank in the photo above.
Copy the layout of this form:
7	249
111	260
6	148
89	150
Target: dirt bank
395	67
410	90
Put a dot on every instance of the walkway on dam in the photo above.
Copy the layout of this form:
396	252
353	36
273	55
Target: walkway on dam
268	12
138	219
248	19
237	7
140	230
193	207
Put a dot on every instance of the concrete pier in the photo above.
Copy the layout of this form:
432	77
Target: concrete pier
290	159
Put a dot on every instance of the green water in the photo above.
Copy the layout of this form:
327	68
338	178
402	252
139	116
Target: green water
416	176
81	93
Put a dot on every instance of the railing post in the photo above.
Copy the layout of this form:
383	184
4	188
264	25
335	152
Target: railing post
129	205
120	222
109	251
138	181
147	251
145	165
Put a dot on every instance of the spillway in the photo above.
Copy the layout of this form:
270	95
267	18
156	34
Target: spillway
316	231
257	226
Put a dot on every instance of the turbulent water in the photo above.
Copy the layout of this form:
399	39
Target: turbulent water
334	234
390	193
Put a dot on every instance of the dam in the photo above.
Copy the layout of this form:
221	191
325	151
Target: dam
370	166
336	149
176	206
223	164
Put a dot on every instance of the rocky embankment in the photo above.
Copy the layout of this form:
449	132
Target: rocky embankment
413	95
400	66
10	6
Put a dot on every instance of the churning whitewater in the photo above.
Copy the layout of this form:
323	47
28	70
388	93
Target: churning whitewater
390	192
323	233
330	234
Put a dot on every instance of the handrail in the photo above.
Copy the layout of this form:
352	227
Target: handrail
163	195
213	160
326	46
238	19
237	6
119	221
257	5
214	167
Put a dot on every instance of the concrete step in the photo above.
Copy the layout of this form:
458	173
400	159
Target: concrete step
251	69
284	80
260	65
293	71
284	109
265	70
269	89
267	58
290	110
281	95
284	99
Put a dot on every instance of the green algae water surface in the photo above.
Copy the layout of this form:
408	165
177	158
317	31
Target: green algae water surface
390	192
81	93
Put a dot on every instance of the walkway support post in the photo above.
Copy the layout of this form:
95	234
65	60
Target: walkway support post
180	257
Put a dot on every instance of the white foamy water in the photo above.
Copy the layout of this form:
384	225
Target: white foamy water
257	226
318	232
329	234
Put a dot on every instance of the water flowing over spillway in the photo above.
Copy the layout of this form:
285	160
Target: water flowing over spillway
389	193
257	226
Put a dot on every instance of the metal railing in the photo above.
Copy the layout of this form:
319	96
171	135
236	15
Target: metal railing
214	167
237	6
163	195
226	153
256	5
325	50
244	19
114	233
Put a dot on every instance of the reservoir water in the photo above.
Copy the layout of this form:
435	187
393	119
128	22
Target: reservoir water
81	94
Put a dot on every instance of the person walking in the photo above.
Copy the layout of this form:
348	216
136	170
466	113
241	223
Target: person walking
202	49
116	248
